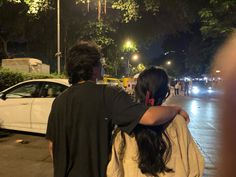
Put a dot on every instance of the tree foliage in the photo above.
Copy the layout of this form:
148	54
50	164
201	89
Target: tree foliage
35	6
218	19
13	19
100	32
129	9
110	22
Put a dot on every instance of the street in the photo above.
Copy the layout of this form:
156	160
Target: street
24	155
204	122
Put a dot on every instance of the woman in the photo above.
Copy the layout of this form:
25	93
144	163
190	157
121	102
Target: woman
165	150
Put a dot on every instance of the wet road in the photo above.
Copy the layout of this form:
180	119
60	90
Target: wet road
204	126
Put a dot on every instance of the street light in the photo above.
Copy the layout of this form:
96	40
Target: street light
128	44
168	63
135	57
129	47
173	51
168	52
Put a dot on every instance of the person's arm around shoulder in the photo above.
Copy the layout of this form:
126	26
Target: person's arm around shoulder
156	115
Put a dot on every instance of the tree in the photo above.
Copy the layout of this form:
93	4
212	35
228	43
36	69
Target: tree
99	32
218	19
217	22
41	37
113	63
34	6
13	18
109	22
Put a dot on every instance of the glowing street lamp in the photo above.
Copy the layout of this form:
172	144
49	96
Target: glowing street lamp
128	48
135	57
169	63
128	44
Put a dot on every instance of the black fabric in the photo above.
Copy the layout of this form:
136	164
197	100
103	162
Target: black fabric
80	126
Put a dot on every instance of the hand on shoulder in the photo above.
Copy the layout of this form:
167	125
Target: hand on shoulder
182	112
185	115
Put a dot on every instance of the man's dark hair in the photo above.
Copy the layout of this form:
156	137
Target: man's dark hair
83	57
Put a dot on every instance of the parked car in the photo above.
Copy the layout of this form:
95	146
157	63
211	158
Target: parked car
26	106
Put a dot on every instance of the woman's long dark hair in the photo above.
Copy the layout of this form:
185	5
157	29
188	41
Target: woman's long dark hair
153	143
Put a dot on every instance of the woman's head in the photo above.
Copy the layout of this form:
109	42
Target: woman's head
83	62
153	143
152	83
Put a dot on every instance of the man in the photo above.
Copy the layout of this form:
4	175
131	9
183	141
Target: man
186	88
82	118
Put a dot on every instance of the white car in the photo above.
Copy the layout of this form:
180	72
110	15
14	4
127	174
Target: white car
26	106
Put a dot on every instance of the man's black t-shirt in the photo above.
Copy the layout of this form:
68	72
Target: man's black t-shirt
80	126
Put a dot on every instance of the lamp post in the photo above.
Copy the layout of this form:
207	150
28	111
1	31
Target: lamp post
128	72
134	57
58	54
129	47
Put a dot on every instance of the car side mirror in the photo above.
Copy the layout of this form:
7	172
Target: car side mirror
3	96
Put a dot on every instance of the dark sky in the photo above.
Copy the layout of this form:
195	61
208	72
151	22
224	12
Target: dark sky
154	50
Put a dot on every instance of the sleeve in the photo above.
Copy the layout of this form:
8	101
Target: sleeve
51	123
123	110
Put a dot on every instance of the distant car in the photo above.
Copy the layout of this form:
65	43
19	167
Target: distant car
26	106
201	88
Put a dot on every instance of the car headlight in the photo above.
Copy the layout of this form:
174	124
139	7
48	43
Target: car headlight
195	90
209	90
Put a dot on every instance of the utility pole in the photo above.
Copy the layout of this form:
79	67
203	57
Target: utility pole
58	54
128	66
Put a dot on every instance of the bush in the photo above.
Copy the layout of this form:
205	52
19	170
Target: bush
9	78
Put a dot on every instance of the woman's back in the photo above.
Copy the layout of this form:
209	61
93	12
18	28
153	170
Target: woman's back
168	150
186	160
